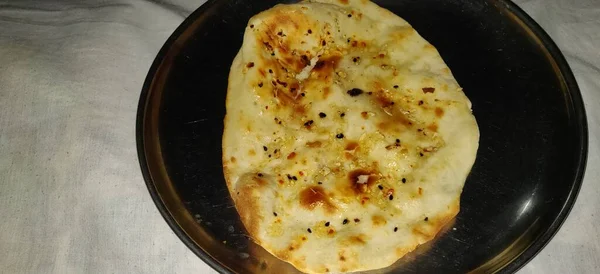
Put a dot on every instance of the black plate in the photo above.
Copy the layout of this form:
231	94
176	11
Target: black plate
525	180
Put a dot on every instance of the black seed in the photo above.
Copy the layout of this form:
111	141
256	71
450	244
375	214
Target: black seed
345	221
426	219
275	214
421	154
302	94
320	183
289	177
260	85
395	86
391	197
309	231
356	220
380	186
343	114
294	178
272	53
355	92
310	122
327	224
397	141
259	174
322	115
349	15
395	229
309	31
305	59
251	26
265	148
404	180
355	59
270	71
339	136
269	155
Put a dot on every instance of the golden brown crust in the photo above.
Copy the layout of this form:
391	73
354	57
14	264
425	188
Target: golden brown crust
315	197
248	205
341	121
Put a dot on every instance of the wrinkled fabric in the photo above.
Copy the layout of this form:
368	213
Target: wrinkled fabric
72	197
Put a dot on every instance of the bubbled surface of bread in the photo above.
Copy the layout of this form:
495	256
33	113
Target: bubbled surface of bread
347	140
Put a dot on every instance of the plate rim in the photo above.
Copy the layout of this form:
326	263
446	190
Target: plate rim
140	142
581	125
574	94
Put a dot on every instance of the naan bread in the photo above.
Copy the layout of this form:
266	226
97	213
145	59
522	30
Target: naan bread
347	140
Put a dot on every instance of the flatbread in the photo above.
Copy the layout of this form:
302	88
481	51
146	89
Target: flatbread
347	140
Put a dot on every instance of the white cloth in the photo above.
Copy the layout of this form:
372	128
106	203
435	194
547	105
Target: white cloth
72	198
